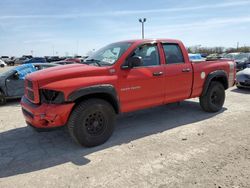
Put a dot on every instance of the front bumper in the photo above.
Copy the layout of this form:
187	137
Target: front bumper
46	115
243	83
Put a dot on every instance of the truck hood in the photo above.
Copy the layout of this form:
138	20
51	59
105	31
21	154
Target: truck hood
64	72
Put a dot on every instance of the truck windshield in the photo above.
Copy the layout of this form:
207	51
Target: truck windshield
108	55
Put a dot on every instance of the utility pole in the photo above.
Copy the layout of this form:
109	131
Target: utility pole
142	21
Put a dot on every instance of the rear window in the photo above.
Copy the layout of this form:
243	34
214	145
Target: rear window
173	54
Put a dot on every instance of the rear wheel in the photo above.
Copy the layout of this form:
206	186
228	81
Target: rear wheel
92	122
2	98
214	98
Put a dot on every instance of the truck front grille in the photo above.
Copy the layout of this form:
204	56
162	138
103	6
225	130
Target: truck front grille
31	91
29	84
30	95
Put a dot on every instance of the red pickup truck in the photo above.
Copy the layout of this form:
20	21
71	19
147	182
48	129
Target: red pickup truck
121	77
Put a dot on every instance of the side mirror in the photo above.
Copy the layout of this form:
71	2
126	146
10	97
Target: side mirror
16	76
131	62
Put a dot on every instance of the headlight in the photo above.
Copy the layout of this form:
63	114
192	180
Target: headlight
51	96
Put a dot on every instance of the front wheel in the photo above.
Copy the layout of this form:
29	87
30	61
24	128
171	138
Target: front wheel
92	122
214	98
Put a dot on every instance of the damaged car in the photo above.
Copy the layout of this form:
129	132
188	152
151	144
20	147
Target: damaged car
243	78
12	81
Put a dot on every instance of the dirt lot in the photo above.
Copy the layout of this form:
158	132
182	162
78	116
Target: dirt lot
176	145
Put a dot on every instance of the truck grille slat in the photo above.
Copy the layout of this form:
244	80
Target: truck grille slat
31	91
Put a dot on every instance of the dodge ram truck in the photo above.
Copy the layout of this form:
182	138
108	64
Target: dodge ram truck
119	78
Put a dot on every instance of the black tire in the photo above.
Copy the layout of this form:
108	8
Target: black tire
92	122
2	98
214	98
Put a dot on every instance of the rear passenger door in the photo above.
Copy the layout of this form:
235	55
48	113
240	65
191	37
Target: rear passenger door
178	73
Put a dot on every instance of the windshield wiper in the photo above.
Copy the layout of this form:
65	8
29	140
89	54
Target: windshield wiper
89	61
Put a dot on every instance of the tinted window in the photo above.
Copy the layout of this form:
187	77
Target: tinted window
148	53
173	53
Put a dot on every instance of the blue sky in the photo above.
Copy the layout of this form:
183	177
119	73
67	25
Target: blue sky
71	26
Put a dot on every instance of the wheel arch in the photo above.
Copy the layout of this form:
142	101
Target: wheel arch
219	76
2	90
106	92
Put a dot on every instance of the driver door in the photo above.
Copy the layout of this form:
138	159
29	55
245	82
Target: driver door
143	86
15	86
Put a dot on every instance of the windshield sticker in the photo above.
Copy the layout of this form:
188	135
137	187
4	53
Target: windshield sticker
110	61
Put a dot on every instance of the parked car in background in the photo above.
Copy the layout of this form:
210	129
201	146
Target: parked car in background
196	57
76	60
243	78
35	60
4	58
242	60
28	56
12	81
53	58
20	60
64	62
213	57
2	63
230	56
11	61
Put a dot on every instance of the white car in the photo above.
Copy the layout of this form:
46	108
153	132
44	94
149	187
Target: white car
2	63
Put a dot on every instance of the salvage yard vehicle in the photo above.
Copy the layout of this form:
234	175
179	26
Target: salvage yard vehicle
4	58
241	59
64	62
35	60
76	60
12	81
243	78
2	63
121	77
11	61
20	60
196	57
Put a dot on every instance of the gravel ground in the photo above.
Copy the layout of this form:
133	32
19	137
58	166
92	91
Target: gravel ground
176	145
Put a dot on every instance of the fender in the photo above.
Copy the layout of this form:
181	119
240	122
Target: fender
216	75
106	89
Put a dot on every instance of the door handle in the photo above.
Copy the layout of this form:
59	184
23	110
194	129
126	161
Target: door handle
157	73
186	70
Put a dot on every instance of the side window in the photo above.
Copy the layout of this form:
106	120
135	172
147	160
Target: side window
173	54
148	53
